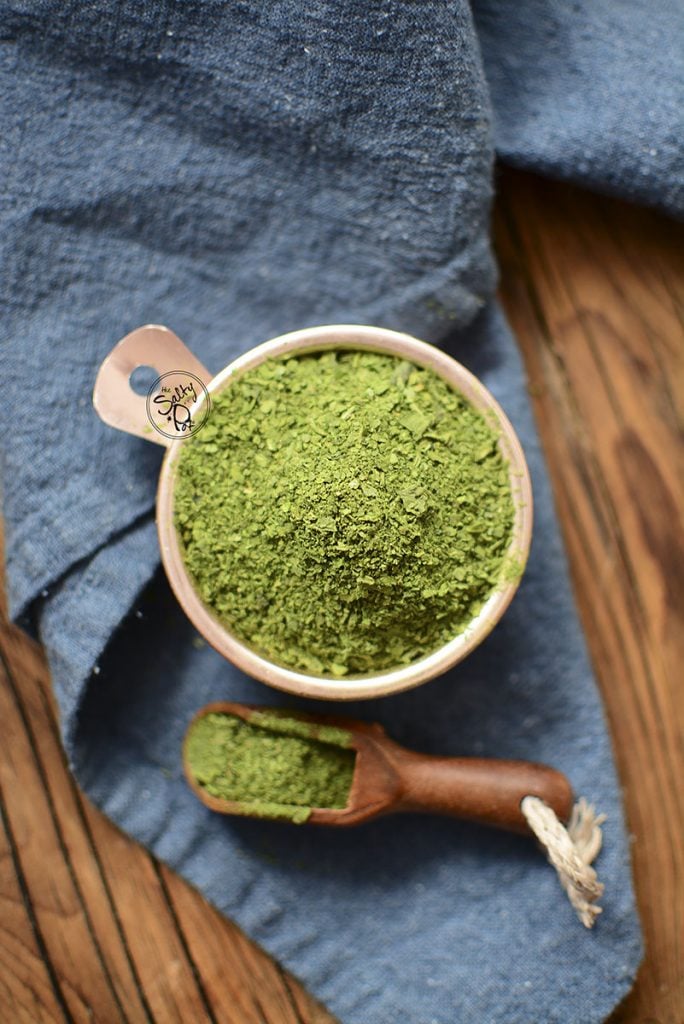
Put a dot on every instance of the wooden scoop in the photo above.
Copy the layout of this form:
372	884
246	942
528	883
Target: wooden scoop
388	778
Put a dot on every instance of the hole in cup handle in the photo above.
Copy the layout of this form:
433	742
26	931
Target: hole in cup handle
115	401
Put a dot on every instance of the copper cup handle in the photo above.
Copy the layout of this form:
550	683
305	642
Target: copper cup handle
115	401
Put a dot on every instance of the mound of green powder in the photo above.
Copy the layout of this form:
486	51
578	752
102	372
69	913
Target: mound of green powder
343	512
271	764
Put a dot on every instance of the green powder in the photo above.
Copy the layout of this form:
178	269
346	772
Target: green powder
272	765
343	512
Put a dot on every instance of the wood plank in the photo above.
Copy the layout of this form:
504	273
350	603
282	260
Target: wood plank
31	688
29	990
29	994
173	990
82	976
594	290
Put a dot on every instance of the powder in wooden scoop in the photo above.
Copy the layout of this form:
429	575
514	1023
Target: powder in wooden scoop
272	765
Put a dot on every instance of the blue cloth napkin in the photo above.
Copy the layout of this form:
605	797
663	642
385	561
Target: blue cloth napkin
237	171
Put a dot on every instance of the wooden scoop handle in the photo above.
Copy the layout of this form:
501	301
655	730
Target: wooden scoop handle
479	789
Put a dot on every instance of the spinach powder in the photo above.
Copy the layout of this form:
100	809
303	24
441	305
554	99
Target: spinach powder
343	512
275	766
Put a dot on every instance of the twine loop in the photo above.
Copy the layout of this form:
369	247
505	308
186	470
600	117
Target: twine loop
571	850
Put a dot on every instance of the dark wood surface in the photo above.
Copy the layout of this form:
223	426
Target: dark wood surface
94	929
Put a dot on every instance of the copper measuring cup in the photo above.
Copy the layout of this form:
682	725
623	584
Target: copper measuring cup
120	406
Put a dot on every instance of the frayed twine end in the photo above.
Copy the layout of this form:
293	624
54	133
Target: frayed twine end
571	851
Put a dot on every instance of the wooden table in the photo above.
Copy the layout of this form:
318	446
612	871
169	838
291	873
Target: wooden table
93	928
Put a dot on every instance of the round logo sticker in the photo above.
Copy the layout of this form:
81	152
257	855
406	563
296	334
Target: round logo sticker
171	403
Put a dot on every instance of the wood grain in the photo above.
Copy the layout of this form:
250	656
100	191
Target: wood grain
92	928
